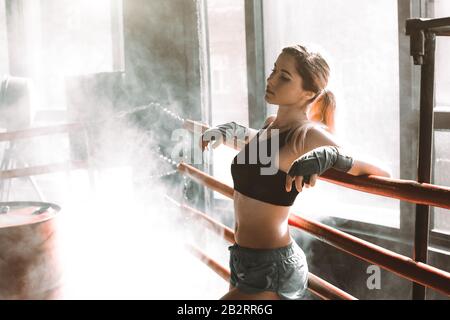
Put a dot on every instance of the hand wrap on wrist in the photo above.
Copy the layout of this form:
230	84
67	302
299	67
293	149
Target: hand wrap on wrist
227	131
319	160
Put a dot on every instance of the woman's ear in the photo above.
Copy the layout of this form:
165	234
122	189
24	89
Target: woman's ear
309	95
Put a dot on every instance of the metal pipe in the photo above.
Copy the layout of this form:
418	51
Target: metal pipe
216	226
405	190
438	26
389	260
325	290
213	264
422	222
205	179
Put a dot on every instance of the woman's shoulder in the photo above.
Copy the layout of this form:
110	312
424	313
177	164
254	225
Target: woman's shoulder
318	128
310	135
319	135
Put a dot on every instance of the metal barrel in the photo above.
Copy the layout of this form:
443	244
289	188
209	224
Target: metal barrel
29	264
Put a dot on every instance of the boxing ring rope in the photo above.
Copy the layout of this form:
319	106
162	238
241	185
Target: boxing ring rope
40	131
44	169
405	190
213	264
401	265
214	225
316	285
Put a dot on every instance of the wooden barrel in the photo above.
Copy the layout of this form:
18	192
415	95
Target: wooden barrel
29	266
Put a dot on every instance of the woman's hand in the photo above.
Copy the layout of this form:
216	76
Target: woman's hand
314	163
224	133
213	135
300	181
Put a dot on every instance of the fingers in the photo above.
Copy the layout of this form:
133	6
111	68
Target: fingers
299	183
205	145
209	141
202	143
312	180
288	183
298	180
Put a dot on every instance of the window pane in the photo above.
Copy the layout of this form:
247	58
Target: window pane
226	24
67	38
442	176
442	75
76	36
363	55
442	138
3	41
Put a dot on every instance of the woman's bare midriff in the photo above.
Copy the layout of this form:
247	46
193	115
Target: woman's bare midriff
260	224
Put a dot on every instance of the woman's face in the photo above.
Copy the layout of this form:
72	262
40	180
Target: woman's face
284	84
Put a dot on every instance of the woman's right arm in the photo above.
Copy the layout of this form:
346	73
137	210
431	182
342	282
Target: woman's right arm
240	134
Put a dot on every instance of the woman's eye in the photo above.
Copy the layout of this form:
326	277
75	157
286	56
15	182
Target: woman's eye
281	76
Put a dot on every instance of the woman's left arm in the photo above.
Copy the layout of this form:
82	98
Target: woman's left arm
367	167
362	165
322	151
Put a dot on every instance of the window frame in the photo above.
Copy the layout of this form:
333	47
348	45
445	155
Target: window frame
256	79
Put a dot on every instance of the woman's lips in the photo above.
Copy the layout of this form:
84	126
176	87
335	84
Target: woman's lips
268	91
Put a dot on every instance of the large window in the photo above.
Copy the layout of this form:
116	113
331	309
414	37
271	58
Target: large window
442	104
360	41
227	49
76	39
62	38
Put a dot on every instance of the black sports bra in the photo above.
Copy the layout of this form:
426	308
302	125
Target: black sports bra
249	181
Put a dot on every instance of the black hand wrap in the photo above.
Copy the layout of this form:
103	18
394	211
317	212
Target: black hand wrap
227	131
318	161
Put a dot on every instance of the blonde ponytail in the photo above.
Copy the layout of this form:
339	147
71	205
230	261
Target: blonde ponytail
323	108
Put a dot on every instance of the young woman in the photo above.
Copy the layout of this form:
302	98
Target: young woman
265	261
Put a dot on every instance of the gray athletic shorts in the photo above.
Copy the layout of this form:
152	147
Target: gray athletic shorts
282	270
